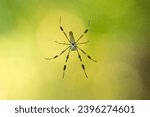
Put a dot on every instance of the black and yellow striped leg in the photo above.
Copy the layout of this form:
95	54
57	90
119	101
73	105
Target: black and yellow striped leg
82	35
61	28
86	54
67	57
57	55
83	67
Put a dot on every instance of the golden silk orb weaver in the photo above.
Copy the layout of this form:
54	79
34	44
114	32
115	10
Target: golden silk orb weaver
72	46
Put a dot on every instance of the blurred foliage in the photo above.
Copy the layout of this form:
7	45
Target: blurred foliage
118	39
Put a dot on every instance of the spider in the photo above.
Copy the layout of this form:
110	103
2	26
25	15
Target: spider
72	46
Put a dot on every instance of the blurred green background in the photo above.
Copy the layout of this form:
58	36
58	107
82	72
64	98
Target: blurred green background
119	40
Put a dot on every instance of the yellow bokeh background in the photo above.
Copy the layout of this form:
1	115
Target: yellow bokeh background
118	40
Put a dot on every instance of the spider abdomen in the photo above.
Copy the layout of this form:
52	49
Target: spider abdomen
72	40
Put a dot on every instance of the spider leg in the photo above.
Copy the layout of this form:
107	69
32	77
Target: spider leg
82	42
62	43
86	54
82	35
61	28
67	57
57	55
83	67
